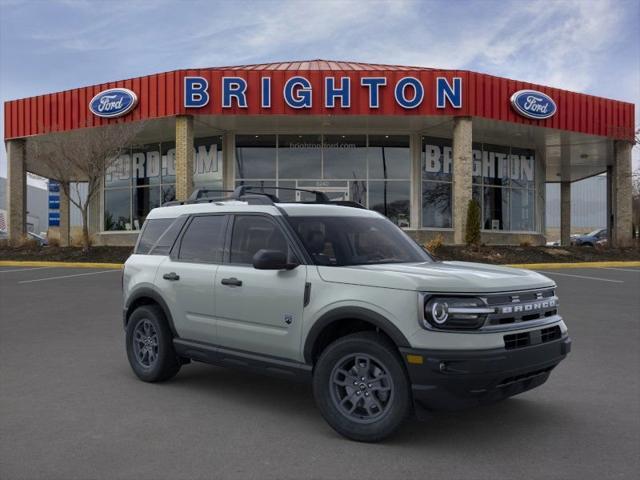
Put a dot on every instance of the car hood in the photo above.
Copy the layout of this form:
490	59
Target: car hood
450	277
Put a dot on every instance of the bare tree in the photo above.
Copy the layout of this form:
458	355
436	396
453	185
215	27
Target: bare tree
82	156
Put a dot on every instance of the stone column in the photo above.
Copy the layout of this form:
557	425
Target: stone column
16	190
228	161
65	217
565	213
184	157
462	175
416	180
621	184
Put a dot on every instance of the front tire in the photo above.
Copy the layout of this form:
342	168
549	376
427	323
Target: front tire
150	345
361	387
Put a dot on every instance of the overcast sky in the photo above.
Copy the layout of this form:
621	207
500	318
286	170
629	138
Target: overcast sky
582	45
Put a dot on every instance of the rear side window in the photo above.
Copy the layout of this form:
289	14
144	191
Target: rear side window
168	238
152	231
203	241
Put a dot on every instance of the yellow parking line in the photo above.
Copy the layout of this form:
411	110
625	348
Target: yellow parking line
532	266
29	263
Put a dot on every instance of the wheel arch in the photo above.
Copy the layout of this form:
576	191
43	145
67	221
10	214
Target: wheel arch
333	320
148	296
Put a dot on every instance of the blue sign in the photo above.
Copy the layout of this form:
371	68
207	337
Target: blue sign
114	102
54	204
54	187
54	219
533	104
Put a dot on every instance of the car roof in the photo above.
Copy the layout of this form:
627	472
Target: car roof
276	209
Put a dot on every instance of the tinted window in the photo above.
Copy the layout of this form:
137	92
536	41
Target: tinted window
167	239
152	231
204	240
341	241
252	233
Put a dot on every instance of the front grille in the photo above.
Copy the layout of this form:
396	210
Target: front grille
519	307
535	337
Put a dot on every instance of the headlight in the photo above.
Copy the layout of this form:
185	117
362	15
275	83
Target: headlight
455	312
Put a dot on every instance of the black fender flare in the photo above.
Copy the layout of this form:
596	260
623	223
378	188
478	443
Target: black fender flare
352	313
146	292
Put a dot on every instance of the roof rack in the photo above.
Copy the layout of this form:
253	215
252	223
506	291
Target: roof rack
251	195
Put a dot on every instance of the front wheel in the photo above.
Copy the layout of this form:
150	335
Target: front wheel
150	345
361	387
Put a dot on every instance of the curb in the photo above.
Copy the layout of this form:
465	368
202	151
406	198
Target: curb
28	263
117	266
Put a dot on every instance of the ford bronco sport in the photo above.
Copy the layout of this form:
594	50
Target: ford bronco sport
339	295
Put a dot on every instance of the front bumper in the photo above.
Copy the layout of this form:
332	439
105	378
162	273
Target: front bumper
453	379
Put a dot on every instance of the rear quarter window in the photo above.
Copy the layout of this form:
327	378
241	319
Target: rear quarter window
159	235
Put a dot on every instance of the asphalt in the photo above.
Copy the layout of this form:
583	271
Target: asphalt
70	407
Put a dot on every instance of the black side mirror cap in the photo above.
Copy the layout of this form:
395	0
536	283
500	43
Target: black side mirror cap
272	260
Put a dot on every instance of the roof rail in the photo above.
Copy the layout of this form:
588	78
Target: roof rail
251	195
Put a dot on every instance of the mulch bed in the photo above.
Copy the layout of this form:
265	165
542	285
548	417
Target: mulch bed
485	254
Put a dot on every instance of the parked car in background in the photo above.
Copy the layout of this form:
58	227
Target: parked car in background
590	239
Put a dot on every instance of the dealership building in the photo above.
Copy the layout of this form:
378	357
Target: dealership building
416	144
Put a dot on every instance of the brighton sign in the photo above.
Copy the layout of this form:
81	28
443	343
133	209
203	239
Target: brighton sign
408	92
533	104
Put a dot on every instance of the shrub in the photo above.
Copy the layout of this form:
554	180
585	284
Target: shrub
525	243
435	243
472	233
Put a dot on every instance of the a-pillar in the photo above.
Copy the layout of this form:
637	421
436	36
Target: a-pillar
565	213
184	157
16	191
462	175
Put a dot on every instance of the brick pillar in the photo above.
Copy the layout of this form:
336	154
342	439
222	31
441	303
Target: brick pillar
228	161
16	190
462	175
565	213
622	190
184	157
65	217
416	180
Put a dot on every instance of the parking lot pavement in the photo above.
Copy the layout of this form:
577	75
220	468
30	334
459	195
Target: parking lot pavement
70	407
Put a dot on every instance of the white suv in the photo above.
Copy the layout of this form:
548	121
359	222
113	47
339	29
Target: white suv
338	295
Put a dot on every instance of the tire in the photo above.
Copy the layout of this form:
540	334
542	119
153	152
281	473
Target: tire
384	398
152	356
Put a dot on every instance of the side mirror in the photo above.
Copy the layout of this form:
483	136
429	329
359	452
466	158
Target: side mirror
272	260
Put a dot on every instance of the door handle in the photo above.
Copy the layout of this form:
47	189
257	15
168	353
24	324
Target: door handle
173	276
232	282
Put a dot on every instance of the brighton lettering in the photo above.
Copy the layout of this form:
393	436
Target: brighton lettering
297	92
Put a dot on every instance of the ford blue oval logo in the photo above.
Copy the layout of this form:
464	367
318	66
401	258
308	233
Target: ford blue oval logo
114	102
533	104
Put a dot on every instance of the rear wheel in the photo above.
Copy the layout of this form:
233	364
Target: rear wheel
361	387
150	345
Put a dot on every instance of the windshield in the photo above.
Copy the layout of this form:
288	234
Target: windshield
342	241
594	233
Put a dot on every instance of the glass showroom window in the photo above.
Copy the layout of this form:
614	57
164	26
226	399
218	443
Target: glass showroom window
436	182
372	170
389	172
504	184
144	177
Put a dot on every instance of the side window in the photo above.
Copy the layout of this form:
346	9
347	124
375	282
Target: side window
203	240
252	233
167	239
151	232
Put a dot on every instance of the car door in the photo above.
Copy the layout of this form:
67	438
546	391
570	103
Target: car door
259	310
187	276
